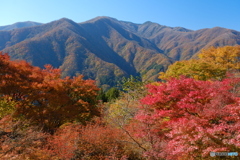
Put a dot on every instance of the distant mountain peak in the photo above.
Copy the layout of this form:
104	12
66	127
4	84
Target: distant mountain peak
150	22
101	18
63	22
181	29
65	19
104	17
19	25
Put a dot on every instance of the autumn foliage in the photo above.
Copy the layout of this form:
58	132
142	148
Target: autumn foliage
94	141
194	112
213	63
187	118
43	97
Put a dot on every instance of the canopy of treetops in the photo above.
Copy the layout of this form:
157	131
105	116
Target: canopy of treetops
193	111
213	63
42	96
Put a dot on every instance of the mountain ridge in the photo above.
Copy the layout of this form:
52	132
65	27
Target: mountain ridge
106	49
18	25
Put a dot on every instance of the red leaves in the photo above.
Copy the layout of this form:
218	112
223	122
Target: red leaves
192	115
181	119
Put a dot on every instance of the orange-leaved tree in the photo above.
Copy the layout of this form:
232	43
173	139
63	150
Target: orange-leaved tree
43	97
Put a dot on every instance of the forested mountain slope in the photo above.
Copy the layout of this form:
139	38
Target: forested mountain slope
106	49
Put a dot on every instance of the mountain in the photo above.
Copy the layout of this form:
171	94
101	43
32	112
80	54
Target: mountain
99	49
180	43
19	25
106	49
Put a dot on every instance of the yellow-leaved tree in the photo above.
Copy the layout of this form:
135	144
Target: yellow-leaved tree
213	63
226	57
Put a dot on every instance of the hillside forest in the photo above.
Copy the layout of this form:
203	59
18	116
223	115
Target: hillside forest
105	49
193	109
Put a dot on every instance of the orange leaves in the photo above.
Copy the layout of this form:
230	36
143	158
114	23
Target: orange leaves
94	141
43	97
19	141
63	143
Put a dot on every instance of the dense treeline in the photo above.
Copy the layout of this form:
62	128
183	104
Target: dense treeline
192	112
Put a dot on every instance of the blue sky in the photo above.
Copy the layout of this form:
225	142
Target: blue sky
191	14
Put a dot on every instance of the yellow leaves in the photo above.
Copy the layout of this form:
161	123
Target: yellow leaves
226	57
156	83
191	68
116	109
121	111
7	107
165	119
213	64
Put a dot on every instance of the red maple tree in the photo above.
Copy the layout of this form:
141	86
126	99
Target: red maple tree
187	118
